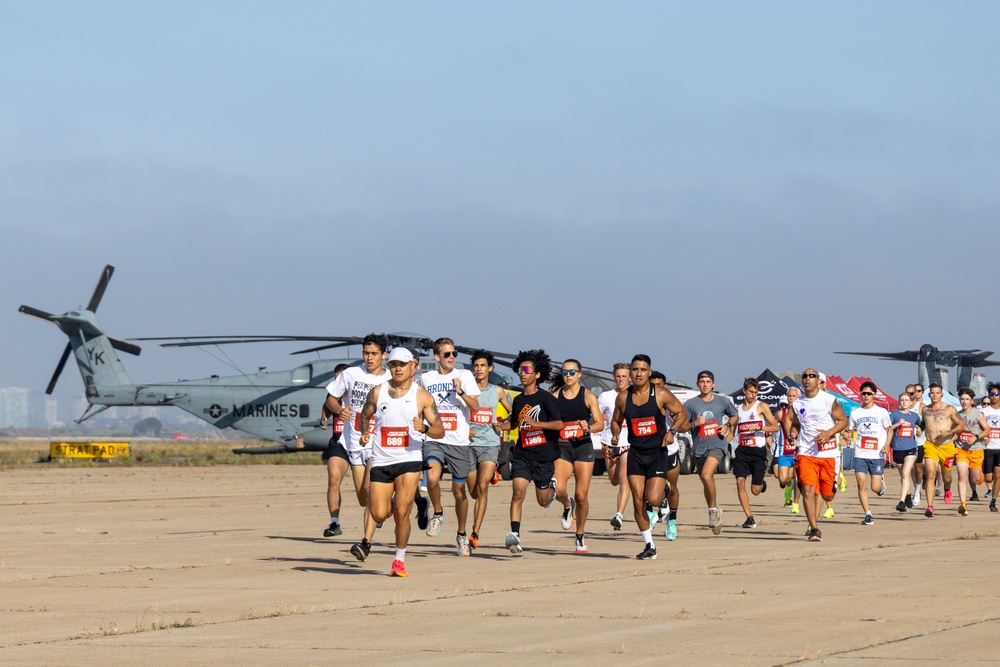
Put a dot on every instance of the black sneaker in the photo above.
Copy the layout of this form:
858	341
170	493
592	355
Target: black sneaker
975	496
817	536
649	553
993	506
901	507
763	486
749	523
422	519
909	501
361	550
881	492
332	530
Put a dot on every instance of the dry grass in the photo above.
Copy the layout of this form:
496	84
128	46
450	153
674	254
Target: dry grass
19	452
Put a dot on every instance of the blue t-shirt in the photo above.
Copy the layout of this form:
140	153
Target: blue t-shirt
914	419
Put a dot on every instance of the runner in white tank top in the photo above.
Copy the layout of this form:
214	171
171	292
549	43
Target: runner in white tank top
750	458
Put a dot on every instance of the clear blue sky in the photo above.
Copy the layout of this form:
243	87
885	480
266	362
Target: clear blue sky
720	185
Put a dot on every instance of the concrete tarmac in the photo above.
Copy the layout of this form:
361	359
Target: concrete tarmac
226	565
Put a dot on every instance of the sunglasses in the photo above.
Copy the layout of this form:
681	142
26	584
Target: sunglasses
868	393
809	375
570	372
526	370
995	393
449	355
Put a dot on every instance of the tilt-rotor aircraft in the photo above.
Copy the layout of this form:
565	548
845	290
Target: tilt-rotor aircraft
929	358
282	406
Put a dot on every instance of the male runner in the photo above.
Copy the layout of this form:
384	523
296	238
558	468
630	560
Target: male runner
784	458
970	446
402	414
750	459
332	480
819	418
673	492
643	407
346	396
615	458
941	425
906	425
870	424
991	459
535	413
485	442
712	419
454	391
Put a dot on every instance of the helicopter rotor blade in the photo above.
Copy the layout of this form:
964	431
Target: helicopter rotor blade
35	312
59	368
102	284
125	346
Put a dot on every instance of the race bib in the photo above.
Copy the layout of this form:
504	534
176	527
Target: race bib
482	416
571	431
869	443
357	424
747	440
789	448
827	446
450	421
395	436
905	431
995	434
749	427
532	438
338	425
708	429
644	426
968	437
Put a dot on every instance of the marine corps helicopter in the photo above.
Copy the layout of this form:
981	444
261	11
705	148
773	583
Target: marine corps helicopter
282	406
929	358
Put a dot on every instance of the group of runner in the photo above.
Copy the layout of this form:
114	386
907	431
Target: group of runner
391	427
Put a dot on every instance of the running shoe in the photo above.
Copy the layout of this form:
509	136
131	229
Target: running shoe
581	546
715	520
795	508
989	493
789	494
651	515
422	506
378	525
763	486
809	532
463	545
398	569
901	507
881	492
868	520
963	510
947	497
929	512
649	553
817	536
361	550
975	496
671	532
749	523
496	477
843	483
828	513
434	525
937	493
332	530
908	501
993	506
567	515
513	542
473	541
916	498
552	485
616	521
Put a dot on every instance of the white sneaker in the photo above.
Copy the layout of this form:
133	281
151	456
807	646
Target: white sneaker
552	485
568	514
715	520
617	520
513	542
463	545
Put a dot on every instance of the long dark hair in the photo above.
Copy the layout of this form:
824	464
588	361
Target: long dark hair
556	380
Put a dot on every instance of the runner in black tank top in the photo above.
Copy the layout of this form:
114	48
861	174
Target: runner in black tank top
581	414
648	438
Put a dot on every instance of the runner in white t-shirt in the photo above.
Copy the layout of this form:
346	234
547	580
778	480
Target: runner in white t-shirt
616	457
346	395
870	425
454	391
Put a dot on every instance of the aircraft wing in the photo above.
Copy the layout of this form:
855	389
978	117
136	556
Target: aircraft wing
906	355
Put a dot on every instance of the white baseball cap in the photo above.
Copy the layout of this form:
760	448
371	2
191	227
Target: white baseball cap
401	354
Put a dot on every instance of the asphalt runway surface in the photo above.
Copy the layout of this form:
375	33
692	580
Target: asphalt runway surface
226	565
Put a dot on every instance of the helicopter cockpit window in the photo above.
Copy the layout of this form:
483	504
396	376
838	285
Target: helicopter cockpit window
302	374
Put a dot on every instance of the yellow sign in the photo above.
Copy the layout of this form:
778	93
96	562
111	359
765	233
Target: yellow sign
88	450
